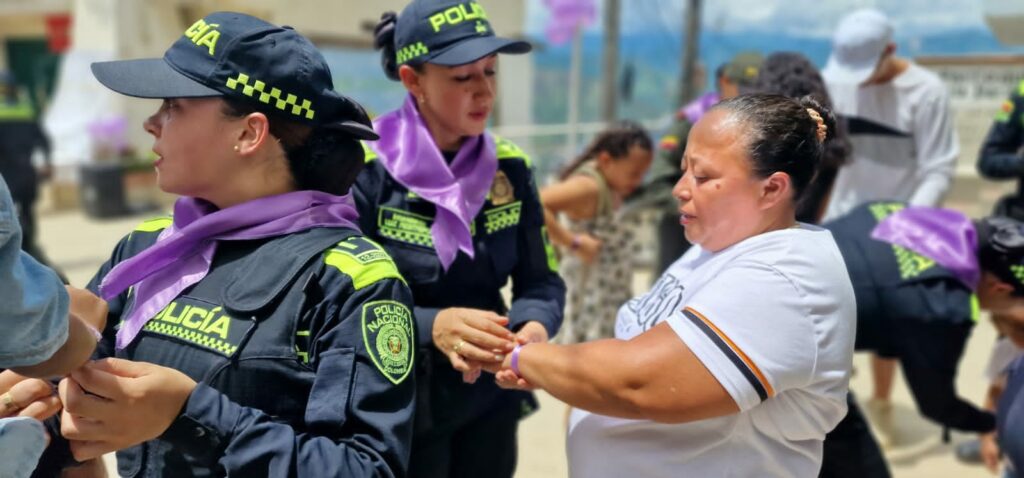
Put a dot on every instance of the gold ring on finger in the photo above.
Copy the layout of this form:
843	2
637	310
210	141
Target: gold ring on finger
7	401
458	346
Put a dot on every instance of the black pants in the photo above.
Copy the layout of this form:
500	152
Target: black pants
483	447
851	451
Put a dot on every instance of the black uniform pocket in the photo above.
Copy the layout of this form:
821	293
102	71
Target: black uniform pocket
502	248
332	390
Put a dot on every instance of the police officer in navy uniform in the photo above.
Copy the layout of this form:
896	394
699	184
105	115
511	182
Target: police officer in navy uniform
21	136
458	209
1002	152
918	302
258	332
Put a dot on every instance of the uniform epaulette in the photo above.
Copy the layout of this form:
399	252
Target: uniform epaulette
509	150
368	153
155	224
363	260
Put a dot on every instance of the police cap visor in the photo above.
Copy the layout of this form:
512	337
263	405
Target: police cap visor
149	78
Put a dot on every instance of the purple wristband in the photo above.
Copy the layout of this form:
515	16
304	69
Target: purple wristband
515	359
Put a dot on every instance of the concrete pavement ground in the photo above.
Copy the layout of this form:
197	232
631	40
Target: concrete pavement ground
78	245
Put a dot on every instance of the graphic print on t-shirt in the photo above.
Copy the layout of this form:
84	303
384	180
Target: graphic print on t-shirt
641	313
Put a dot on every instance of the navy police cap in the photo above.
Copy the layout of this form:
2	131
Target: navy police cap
449	33
273	68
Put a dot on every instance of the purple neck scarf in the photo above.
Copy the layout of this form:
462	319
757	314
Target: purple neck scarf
183	252
696	108
943	235
407	151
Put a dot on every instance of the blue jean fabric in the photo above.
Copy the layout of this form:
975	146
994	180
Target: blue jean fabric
34	318
22	440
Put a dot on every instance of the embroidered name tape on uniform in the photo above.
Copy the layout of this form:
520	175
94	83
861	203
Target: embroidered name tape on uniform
209	328
389	338
290	103
502	218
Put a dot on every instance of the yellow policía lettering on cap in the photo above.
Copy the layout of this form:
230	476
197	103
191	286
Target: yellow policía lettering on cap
457	14
204	34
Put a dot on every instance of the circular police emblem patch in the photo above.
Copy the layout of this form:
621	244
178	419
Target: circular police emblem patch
501	189
388	336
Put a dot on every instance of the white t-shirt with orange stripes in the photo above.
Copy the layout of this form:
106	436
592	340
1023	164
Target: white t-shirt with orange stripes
773	318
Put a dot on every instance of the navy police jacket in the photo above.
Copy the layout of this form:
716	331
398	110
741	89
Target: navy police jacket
1002	152
510	241
1000	156
302	345
910	308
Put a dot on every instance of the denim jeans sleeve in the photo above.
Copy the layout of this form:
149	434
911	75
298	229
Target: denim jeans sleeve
33	302
22	441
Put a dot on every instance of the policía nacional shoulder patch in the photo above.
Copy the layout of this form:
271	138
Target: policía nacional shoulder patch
388	336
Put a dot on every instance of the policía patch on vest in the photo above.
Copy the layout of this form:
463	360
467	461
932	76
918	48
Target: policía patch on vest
200	324
388	336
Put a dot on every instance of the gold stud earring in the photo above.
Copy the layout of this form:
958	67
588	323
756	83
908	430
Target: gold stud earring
237	149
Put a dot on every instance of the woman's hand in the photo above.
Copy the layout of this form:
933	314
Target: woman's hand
26	397
113	404
470	337
531	332
990	453
588	248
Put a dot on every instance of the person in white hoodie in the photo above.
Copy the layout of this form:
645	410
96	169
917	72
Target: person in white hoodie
904	142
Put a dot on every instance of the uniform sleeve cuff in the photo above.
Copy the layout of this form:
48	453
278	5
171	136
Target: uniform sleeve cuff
519	316
205	423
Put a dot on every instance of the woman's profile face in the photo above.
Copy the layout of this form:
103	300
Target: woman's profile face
194	144
459	99
719	197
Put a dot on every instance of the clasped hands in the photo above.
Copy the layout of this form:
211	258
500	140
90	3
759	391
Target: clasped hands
105	405
477	341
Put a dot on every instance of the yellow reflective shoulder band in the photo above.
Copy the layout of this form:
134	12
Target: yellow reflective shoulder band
20	111
509	150
549	249
1020	88
368	154
975	308
155	224
362	274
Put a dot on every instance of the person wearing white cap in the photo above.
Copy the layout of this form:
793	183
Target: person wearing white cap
901	129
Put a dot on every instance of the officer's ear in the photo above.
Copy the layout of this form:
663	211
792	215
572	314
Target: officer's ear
411	80
994	294
253	133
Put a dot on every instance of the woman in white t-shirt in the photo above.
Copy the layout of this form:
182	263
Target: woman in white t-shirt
737	362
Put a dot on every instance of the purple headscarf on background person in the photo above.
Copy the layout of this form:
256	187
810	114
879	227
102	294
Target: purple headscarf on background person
945	236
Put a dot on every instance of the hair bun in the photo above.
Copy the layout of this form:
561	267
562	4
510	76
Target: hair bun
384	40
384	32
